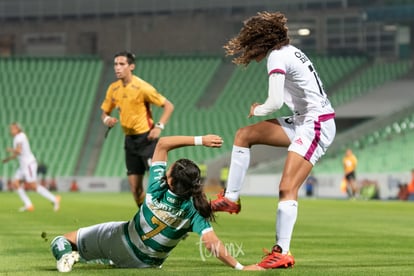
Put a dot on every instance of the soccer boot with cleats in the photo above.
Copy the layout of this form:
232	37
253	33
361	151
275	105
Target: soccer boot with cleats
223	204
66	262
276	259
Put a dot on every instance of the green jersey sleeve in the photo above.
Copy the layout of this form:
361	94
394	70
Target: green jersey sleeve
156	182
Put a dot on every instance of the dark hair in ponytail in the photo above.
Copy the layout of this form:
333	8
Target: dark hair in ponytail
186	183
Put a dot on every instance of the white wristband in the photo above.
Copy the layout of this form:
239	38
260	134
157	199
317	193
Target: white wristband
160	125
238	266
198	140
105	120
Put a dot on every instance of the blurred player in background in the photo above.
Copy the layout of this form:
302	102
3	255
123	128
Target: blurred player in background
292	80
350	163
174	205
410	187
27	170
133	97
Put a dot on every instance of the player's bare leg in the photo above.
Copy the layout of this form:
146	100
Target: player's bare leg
352	186
295	172
265	133
137	189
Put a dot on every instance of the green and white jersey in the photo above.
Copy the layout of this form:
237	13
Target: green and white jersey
162	221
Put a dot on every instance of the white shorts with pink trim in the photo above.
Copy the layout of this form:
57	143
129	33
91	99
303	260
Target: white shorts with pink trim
309	137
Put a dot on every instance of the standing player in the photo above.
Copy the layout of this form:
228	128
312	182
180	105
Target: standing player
307	134
350	163
133	97
174	205
27	170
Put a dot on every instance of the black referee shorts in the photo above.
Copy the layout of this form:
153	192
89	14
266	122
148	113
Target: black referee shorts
138	153
350	176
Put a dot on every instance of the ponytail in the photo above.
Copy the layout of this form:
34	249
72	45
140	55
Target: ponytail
202	204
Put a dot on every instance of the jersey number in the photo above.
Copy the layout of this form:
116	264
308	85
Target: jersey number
160	226
318	81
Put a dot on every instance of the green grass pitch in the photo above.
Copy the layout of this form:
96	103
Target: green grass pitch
331	237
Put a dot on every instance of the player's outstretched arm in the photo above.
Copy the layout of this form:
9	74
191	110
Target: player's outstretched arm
217	249
165	144
7	159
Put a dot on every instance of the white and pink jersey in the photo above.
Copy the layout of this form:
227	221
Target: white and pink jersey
26	156
304	93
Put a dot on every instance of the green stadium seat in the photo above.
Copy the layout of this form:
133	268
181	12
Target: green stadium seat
389	149
53	116
375	75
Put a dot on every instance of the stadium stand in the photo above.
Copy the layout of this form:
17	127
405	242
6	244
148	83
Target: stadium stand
183	79
374	76
51	97
389	148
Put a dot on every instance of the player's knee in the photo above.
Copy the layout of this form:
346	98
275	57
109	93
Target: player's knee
138	189
286	193
282	193
31	185
242	134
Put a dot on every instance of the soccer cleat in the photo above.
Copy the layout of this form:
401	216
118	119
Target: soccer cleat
29	208
276	259
66	262
223	204
56	205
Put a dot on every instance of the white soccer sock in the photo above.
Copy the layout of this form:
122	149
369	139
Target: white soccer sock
23	196
45	193
287	212
240	160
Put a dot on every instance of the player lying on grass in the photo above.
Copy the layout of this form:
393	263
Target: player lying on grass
174	205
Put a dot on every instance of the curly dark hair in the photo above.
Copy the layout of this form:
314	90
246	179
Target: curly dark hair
260	33
186	183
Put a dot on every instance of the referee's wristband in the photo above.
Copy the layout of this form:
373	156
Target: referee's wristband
198	140
160	125
239	266
105	120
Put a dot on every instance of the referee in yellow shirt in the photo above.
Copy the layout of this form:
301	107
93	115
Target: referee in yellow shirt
133	98
350	163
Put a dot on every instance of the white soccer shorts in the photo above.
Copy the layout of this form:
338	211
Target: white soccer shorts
27	172
309	138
